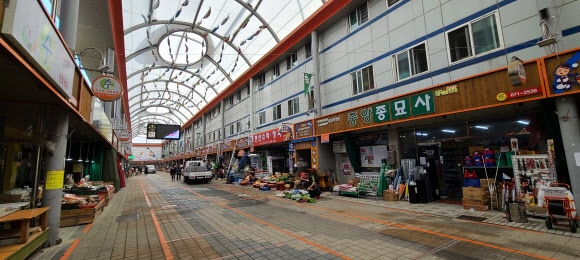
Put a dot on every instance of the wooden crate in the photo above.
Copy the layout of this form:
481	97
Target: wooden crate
476	207
475	202
75	217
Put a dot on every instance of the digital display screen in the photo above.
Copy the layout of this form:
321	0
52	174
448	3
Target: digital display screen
158	131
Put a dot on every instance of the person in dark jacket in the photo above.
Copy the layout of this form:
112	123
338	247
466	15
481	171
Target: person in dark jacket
172	173
314	189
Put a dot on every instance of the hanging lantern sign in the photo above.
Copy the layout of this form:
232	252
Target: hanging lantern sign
107	88
124	136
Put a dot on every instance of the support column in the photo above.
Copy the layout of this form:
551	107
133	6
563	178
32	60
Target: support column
252	108
57	121
569	126
69	17
316	77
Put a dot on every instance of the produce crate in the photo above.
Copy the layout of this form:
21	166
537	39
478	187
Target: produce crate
75	217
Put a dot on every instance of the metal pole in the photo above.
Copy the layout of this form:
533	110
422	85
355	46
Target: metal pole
40	128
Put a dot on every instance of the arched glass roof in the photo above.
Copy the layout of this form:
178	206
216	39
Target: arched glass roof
180	54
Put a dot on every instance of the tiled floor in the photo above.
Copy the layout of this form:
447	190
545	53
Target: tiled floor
155	218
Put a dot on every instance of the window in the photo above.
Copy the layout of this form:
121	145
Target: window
219	134
474	38
391	2
239	126
277	112
358	17
262	116
291	61
239	95
276	71
248	90
411	62
308	50
362	80
261	80
231	129
231	100
294	106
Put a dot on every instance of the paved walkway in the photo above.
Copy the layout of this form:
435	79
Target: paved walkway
155	218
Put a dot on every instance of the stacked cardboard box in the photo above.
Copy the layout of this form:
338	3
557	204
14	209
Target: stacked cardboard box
477	197
390	195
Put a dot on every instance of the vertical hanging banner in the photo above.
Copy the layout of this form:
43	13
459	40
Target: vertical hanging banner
307	78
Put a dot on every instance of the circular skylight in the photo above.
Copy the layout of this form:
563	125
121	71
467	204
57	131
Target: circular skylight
182	48
158	110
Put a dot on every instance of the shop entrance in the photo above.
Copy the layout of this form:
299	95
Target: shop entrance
429	159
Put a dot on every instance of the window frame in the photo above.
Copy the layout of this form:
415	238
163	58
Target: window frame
371	80
277	112
308	49
358	12
498	25
239	95
276	71
292	60
248	90
238	126
410	58
391	4
293	106
262	117
261	79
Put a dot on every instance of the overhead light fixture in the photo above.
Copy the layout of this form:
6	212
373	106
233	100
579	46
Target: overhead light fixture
524	122
88	146
482	127
68	158
448	131
80	152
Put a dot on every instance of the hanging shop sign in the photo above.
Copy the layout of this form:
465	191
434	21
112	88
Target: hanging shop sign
516	72
124	136
107	88
37	39
457	96
563	73
325	138
304	129
270	137
243	143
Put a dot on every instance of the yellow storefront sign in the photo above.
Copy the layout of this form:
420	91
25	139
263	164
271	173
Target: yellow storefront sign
54	180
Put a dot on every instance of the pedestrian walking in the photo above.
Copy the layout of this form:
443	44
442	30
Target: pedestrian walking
179	172
172	173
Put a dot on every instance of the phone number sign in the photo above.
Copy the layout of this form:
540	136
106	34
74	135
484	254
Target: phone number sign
519	93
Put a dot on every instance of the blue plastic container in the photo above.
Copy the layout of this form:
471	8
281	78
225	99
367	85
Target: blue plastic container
265	188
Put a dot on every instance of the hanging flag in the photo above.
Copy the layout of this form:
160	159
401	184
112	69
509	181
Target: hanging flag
178	13
214	29
225	20
185	3
307	78
207	14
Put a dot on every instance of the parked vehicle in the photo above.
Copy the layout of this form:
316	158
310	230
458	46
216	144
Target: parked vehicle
196	171
151	169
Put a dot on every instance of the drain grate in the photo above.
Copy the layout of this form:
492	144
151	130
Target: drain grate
127	218
471	218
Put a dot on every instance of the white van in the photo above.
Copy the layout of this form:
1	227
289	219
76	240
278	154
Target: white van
151	169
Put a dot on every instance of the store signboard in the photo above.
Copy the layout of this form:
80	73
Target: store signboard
467	94
107	88
124	136
325	138
303	129
227	146
562	73
204	151
270	137
243	143
31	31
